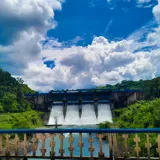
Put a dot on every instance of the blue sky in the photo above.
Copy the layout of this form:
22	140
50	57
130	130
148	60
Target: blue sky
89	18
66	44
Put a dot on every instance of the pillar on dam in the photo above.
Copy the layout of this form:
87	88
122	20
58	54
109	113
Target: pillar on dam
112	108
80	107
96	107
64	108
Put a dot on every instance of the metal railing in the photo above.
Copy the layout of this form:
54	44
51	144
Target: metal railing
42	143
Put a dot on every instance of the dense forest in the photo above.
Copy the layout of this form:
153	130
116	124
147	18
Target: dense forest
151	87
15	110
12	94
143	114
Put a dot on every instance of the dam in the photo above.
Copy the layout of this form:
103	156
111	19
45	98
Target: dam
88	116
82	107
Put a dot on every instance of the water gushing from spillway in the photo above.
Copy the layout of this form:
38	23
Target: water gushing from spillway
72	115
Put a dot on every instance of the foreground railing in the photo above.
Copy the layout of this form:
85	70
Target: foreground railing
51	144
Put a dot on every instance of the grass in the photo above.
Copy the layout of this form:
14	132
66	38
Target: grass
23	120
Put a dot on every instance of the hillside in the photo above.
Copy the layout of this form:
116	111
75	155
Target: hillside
12	94
143	114
151	87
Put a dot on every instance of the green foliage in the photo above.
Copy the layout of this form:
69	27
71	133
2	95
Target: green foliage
151	87
12	94
143	114
1	108
29	119
107	124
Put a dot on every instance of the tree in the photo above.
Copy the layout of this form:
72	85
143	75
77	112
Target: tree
20	80
1	108
12	92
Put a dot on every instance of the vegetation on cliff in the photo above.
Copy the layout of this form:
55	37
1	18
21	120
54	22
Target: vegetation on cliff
15	110
143	114
28	119
151	87
12	94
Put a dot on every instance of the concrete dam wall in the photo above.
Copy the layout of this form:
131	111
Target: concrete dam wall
77	106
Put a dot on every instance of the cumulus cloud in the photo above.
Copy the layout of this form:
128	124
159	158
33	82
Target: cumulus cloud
102	62
156	11
23	25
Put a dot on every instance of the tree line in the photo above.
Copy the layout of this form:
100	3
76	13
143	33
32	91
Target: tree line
150	87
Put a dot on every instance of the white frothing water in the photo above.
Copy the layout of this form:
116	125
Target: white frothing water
56	113
72	115
88	115
104	113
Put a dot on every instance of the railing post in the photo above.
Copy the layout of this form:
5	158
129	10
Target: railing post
148	146
43	150
0	144
158	149
115	147
126	153
110	146
80	144
137	148
7	145
100	153
61	150
52	145
91	148
71	147
16	144
34	145
25	144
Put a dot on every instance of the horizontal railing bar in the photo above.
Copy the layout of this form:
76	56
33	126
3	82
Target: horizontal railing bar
75	157
84	130
55	157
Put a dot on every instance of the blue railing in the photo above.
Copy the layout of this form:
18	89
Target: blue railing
109	143
83	130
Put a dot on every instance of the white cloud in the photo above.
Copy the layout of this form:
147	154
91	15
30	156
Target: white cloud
51	43
138	1
23	25
143	1
99	63
154	37
156	11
